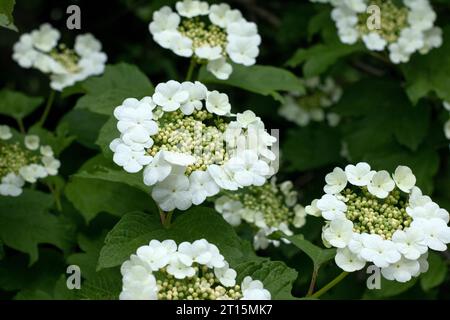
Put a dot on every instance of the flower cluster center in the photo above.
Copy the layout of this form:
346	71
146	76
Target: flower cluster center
199	134
66	57
202	286
264	199
203	34
370	214
393	20
13	157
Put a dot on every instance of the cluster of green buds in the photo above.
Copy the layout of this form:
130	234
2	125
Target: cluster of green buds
199	134
266	208
67	57
203	33
203	286
394	18
13	157
373	215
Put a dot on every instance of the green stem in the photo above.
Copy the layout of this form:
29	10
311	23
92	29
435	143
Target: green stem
191	69
21	126
166	218
48	107
56	196
330	285
313	281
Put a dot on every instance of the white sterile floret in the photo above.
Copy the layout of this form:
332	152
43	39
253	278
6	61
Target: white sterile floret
268	208
181	137
5	132
404	178
339	233
40	49
199	269
11	185
218	103
447	129
405	27
210	35
32	142
359	175
331	207
381	184
380	220
348	261
336	181
170	95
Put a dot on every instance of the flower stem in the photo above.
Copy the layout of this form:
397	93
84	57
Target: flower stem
56	195
330	285
21	126
166	218
48	107
313	281
191	69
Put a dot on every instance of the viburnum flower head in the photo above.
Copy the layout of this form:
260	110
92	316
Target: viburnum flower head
189	145
405	27
23	159
302	108
188	271
212	35
40	49
382	219
267	208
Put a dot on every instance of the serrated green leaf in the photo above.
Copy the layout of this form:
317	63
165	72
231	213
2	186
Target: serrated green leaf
95	188
84	125
264	80
25	223
389	289
277	278
6	17
318	255
17	105
319	58
436	273
107	134
137	228
119	82
429	73
104	285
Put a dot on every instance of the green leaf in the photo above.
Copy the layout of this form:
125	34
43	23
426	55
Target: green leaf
92	193
137	229
436	273
108	133
17	105
389	289
318	255
25	223
119	82
277	278
429	73
84	125
104	285
58	140
264	80
311	147
87	260
319	58
2	250
6	17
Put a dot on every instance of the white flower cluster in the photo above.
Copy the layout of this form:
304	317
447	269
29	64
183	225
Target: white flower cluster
40	49
23	163
189	271
447	124
404	29
375	218
311	106
210	34
190	144
269	208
